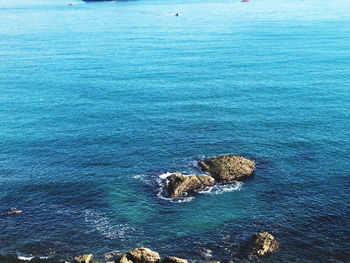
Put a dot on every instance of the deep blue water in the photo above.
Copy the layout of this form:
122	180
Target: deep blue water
98	100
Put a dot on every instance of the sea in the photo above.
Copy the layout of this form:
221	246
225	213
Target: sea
100	101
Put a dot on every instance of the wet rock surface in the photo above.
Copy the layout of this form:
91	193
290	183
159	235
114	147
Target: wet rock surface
227	168
174	260
142	255
85	258
264	243
180	185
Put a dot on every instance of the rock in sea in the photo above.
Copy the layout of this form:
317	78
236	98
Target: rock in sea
180	184
174	260
12	211
264	243
86	258
228	167
141	255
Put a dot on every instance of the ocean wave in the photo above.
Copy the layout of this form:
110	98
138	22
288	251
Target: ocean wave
29	257
24	257
223	188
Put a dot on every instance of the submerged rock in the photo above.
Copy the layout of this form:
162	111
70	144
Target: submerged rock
142	255
264	243
86	258
174	260
228	167
180	184
113	255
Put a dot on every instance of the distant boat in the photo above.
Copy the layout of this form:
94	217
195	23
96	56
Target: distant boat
245	1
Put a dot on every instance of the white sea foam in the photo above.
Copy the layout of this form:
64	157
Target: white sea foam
24	257
165	175
223	188
106	227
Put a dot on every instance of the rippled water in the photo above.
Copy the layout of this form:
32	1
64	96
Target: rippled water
99	100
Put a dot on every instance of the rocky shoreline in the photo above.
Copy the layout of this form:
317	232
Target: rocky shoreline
220	170
262	244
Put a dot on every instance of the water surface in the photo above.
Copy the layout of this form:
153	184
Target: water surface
98	100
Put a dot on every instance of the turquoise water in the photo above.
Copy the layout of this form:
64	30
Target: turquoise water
99	100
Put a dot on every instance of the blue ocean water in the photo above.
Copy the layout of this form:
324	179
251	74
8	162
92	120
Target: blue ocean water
99	100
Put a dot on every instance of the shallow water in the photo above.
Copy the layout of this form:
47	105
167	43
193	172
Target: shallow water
98	100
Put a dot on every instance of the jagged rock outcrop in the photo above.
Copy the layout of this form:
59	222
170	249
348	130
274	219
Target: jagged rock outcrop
180	184
142	255
228	167
264	243
174	260
86	258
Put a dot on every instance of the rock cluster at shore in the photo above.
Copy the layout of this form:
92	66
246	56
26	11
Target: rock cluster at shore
262	245
222	169
137	255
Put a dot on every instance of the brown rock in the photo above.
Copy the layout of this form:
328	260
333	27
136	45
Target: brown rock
180	184
264	243
228	167
143	255
174	260
86	258
124	259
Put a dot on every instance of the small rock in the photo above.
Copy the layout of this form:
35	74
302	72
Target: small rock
264	243
86	258
14	211
227	168
174	260
180	184
143	255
